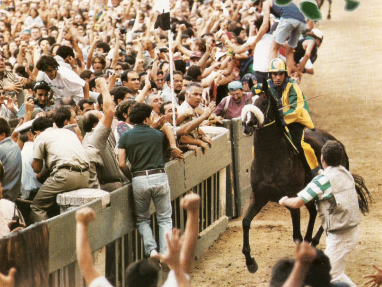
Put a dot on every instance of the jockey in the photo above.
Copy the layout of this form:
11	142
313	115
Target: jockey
294	113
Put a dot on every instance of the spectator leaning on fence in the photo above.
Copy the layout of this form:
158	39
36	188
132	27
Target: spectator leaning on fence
64	155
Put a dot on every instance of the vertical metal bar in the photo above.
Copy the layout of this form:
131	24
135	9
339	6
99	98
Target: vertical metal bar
117	246
123	260
212	215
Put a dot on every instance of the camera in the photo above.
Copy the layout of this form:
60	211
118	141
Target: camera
35	100
163	49
123	30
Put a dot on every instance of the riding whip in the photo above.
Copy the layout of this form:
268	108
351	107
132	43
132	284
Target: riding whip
301	102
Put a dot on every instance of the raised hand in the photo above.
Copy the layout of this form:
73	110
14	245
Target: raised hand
85	215
375	279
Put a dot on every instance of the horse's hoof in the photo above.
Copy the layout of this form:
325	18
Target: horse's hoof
253	266
329	17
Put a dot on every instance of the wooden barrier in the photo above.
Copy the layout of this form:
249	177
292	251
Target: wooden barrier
240	168
205	174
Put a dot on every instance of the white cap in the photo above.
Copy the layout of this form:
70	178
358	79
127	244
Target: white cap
318	33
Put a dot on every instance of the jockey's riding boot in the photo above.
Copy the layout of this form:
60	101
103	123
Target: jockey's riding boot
316	171
304	160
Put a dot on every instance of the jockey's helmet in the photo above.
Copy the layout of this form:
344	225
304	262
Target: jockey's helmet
277	65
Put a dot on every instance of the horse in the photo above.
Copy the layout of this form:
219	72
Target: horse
321	2
277	171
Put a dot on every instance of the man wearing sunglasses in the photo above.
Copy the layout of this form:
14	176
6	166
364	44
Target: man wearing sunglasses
293	110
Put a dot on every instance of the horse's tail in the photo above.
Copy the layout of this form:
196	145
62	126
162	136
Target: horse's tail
364	197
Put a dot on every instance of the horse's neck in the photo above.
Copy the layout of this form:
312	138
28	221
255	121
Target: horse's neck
270	141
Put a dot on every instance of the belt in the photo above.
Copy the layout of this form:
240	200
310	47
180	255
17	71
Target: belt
105	181
71	168
149	172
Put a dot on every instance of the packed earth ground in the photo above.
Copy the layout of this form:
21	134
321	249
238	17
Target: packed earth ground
348	75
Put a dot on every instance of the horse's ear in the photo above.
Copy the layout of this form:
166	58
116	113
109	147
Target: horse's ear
265	87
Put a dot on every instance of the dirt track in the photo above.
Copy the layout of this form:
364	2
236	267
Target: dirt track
349	72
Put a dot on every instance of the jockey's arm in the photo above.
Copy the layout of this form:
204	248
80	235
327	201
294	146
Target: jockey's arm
295	100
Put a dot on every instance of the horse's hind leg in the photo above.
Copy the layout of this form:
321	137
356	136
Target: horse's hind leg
312	218
316	238
330	8
295	214
254	207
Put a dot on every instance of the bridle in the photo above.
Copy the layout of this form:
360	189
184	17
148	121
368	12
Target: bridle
265	115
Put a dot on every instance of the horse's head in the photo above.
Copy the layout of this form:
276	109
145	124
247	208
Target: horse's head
252	115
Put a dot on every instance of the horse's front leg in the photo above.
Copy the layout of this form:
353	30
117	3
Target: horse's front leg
312	219
295	214
255	205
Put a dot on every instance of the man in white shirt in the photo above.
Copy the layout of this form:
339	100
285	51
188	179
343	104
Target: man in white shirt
62	80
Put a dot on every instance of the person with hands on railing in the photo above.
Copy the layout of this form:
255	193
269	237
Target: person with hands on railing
143	147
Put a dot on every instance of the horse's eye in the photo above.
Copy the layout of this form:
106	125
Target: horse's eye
264	104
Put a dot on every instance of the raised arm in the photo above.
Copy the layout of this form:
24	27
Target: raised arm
108	103
84	216
304	255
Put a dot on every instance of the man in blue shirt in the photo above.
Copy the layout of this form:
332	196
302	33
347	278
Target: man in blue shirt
143	147
10	156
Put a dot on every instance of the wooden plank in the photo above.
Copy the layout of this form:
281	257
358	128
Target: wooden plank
205	165
242	160
210	234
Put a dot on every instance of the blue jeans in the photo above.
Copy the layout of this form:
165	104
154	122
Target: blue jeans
153	187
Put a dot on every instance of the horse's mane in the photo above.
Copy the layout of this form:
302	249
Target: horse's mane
276	113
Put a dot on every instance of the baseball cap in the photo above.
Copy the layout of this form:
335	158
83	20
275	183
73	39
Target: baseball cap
27	31
235	85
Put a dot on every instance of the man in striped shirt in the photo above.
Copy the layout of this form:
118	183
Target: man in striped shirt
337	204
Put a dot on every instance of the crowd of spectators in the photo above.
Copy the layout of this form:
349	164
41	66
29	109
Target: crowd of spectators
88	99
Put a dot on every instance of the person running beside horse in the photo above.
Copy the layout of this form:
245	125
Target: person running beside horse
337	204
294	112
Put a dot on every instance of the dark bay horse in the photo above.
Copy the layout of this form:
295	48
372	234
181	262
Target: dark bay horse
277	171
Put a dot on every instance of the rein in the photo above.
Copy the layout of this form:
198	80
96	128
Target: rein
266	114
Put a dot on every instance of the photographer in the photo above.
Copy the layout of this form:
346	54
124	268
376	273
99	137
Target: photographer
40	98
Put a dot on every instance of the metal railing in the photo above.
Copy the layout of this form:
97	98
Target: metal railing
115	228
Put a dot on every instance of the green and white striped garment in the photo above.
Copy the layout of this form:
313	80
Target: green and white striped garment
319	188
